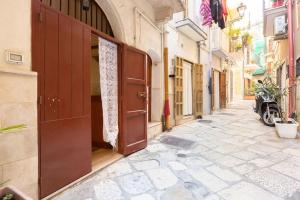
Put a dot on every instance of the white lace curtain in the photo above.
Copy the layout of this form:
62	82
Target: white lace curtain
108	67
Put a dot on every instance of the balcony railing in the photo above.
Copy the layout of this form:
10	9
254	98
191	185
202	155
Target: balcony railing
220	42
269	4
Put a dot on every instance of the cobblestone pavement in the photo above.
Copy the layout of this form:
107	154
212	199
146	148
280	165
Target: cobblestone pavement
232	157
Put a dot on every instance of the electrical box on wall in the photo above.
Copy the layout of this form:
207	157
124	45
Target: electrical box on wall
14	57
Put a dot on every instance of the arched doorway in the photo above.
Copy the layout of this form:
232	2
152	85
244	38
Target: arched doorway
86	11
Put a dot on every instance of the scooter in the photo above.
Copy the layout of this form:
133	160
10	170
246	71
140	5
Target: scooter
266	105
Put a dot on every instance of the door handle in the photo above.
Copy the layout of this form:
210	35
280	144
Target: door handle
142	95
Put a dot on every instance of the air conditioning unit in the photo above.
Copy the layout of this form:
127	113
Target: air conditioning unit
280	25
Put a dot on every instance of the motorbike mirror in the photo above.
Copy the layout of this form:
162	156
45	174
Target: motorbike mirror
260	81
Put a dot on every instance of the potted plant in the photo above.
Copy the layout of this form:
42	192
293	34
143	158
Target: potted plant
285	127
9	192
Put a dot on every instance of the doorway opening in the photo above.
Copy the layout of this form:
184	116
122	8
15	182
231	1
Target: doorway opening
187	89
103	153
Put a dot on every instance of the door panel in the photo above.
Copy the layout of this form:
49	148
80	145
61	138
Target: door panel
198	89
133	134
223	89
178	95
65	131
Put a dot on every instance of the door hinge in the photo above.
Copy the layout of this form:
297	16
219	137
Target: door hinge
40	17
40	100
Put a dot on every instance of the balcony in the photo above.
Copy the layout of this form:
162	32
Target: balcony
274	11
166	8
220	43
191	29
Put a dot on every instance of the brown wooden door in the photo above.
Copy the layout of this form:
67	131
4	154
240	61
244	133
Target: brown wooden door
133	134
223	90
198	89
64	90
213	92
178	88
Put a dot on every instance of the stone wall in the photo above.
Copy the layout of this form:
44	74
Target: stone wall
19	149
18	100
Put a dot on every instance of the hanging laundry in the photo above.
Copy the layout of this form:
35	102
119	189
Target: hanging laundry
206	13
225	9
217	13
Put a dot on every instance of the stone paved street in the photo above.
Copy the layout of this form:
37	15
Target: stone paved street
232	157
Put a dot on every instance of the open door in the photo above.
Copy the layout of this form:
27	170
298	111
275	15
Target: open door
133	129
64	99
223	89
178	95
198	89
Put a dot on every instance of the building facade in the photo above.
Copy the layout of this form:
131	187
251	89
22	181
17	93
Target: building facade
49	77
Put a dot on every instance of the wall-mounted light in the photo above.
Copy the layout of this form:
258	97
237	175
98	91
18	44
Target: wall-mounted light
86	4
241	9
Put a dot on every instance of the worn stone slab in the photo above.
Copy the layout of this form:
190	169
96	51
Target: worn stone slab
288	168
135	183
143	197
212	182
292	151
244	168
156	148
260	162
108	190
145	165
212	155
194	162
162	178
229	161
247	191
177	192
274	181
177	166
224	174
262	149
245	155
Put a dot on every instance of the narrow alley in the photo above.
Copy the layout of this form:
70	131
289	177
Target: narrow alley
229	155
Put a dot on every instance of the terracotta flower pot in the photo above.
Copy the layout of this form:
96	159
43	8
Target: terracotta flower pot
18	195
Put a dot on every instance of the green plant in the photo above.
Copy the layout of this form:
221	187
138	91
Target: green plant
8	196
275	91
234	32
247	39
12	128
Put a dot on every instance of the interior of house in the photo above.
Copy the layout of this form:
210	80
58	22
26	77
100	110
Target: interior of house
103	153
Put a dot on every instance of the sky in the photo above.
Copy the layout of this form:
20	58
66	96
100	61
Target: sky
254	12
254	8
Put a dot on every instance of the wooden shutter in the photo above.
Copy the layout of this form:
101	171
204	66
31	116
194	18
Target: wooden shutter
178	100
223	89
197	89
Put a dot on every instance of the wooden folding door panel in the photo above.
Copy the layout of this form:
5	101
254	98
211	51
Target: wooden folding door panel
223	89
65	123
133	132
198	89
178	89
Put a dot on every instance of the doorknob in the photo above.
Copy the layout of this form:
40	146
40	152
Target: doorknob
142	94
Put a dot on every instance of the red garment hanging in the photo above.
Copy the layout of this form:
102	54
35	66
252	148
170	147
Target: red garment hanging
225	9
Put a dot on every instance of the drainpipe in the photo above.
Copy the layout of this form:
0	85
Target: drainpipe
291	58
